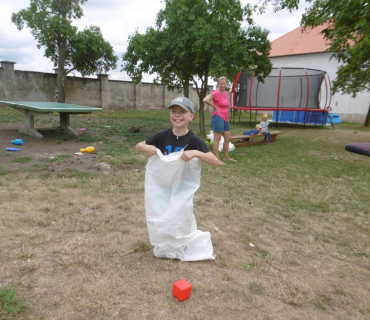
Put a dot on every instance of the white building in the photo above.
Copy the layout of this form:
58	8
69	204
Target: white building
310	50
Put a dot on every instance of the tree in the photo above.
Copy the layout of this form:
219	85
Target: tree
197	39
348	32
149	53
50	22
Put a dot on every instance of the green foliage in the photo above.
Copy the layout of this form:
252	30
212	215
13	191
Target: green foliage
90	53
347	30
50	22
10	304
354	76
149	53
282	4
193	40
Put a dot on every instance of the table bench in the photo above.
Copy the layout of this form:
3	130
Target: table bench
236	140
30	109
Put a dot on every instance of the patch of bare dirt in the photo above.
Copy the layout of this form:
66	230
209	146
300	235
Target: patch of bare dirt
50	154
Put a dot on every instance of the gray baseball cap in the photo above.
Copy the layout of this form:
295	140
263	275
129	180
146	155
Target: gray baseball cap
184	103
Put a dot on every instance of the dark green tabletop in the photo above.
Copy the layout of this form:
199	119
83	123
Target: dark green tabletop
50	106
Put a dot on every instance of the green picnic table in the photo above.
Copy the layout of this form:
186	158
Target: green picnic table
30	109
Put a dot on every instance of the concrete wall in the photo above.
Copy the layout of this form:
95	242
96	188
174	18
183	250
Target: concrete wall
349	109
101	92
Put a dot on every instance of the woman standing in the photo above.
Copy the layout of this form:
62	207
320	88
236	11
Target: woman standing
219	100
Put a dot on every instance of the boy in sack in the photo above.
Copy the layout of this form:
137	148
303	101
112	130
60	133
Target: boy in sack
172	177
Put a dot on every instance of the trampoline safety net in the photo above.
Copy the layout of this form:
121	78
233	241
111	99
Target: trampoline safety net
282	88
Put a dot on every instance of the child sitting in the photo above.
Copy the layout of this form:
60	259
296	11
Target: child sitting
265	128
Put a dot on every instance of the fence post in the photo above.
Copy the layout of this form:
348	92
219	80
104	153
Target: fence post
104	90
9	88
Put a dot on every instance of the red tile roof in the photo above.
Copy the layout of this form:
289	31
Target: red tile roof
296	42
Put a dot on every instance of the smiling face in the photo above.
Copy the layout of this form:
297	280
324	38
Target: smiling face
222	85
180	117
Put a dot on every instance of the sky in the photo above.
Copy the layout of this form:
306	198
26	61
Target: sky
117	19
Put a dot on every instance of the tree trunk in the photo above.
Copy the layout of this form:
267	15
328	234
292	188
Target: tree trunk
202	128
62	76
203	93
367	120
186	88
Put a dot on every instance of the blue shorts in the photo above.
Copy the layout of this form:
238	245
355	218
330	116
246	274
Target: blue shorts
219	124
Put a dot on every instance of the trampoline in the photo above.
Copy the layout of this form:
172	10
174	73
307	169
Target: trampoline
296	95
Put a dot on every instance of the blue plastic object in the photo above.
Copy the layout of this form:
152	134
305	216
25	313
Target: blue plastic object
17	142
308	117
12	149
334	118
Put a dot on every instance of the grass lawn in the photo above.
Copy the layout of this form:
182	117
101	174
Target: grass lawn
289	222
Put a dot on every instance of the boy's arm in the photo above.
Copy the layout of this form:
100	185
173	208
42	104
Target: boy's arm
147	148
207	157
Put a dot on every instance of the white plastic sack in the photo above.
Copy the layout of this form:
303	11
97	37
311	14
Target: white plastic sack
170	185
210	136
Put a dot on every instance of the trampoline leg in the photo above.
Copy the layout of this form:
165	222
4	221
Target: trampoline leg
330	117
277	119
332	123
322	120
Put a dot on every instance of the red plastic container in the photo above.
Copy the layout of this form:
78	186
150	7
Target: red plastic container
181	290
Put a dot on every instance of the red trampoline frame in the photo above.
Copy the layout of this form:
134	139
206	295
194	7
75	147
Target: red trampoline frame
325	110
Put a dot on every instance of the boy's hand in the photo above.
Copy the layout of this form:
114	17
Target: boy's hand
188	155
151	150
147	148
